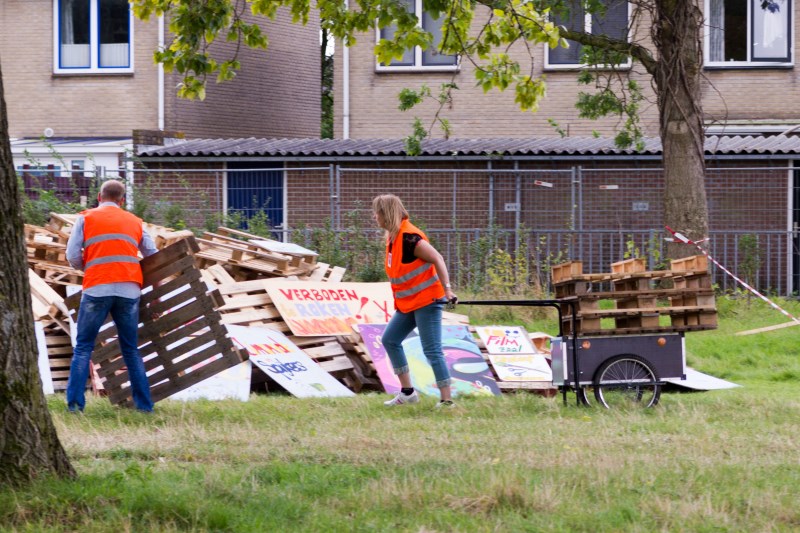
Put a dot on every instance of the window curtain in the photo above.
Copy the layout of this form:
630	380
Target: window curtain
716	39
770	30
74	22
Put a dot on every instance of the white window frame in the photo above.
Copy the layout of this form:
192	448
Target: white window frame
587	27
417	66
94	47
748	62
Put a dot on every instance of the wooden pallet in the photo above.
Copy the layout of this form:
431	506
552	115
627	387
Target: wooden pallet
298	258
639	305
325	272
56	274
59	354
181	339
48	306
246	261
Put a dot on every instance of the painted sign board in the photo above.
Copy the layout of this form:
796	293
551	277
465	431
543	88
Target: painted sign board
313	309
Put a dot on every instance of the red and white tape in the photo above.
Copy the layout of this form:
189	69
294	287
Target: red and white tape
686	240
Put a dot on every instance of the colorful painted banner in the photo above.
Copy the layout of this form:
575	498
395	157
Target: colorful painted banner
278	357
470	373
313	309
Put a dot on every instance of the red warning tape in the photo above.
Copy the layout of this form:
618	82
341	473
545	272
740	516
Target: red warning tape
686	240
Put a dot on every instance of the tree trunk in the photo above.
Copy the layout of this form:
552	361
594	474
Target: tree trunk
29	445
676	34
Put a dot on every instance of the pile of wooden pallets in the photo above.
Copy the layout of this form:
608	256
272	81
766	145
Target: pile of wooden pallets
51	276
640	303
247	303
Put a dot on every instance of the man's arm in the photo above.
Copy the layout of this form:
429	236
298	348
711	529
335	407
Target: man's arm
75	245
147	246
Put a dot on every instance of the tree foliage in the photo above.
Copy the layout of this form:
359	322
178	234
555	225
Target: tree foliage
669	52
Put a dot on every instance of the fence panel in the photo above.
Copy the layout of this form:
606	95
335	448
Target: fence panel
597	215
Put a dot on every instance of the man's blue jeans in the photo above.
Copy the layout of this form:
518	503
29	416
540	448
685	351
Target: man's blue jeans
428	320
92	314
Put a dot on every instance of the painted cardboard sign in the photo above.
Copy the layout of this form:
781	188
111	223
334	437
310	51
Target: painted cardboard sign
505	339
512	354
470	373
278	357
313	309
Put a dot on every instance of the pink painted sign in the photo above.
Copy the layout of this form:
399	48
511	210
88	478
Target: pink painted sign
468	369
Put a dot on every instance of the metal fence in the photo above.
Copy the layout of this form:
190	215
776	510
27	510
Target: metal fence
539	216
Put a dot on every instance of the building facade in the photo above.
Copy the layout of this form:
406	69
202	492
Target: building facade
749	77
80	74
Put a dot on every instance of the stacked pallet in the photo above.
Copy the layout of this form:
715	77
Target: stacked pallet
641	303
246	260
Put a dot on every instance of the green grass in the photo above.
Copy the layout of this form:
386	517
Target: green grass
713	461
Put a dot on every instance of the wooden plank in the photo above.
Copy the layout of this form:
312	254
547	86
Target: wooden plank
566	271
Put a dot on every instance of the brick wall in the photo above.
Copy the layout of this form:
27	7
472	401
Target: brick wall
374	113
275	94
85	106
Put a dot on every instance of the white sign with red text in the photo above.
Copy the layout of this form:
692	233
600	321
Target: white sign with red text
313	309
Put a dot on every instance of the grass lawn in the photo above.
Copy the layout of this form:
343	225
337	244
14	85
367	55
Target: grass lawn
708	461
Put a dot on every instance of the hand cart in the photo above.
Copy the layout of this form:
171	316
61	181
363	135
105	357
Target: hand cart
616	370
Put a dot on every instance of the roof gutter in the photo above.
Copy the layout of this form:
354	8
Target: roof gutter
345	85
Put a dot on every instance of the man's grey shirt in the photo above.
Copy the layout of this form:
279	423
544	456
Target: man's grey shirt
125	289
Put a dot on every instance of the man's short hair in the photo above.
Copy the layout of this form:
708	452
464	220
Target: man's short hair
112	190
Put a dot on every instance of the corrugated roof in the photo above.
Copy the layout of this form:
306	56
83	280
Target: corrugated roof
584	146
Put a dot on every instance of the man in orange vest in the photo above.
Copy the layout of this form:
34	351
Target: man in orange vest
104	243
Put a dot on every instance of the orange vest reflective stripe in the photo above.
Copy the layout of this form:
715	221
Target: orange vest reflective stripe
111	238
414	284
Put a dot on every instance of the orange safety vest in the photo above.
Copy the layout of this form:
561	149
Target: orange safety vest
111	238
414	284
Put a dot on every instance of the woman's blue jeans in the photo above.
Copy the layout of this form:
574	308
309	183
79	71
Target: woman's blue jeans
428	320
92	314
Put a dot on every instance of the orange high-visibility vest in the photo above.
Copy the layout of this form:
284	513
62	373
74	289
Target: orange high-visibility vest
414	284
111	238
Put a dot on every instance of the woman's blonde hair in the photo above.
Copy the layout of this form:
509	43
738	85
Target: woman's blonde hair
391	209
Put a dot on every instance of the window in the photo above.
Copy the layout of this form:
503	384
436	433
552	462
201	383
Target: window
613	23
419	59
748	32
93	36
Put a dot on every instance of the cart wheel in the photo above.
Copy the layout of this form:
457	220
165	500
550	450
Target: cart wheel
584	395
626	380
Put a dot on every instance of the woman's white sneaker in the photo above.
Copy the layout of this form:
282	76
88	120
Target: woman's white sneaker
401	399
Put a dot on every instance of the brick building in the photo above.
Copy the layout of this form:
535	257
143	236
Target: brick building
748	80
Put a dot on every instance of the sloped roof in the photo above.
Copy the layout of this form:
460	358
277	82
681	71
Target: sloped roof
546	146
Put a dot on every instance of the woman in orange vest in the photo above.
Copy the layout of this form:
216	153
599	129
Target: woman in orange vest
421	288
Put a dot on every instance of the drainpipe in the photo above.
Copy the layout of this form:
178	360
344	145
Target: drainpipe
345	86
161	75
